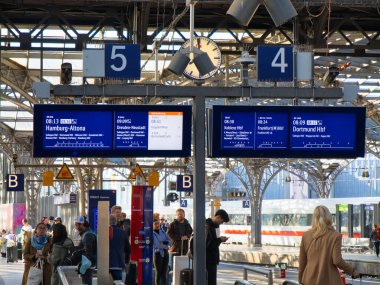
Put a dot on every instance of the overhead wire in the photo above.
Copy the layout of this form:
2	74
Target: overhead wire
313	15
167	31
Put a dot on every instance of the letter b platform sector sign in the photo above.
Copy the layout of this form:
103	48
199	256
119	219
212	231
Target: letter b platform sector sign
15	182
185	183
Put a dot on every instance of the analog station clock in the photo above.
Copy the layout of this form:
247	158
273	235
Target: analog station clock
208	46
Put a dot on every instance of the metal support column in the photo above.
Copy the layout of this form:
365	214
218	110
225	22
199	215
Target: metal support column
362	221
350	220
199	264
338	224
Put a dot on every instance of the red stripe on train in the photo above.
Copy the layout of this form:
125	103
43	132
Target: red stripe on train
276	233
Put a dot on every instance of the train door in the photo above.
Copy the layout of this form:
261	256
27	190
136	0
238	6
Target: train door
368	219
342	219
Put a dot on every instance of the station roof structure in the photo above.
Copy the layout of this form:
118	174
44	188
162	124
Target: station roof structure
37	36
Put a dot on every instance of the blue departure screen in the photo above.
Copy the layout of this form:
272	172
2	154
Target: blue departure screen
322	131
76	130
251	130
283	131
238	130
111	130
131	130
271	130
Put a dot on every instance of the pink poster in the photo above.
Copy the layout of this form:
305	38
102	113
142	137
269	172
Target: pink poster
11	217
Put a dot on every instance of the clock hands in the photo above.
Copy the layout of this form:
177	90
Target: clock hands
199	43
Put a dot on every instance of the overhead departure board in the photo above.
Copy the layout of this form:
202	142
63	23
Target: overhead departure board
315	132
112	131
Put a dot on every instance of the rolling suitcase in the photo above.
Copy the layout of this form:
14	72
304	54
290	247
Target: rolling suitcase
12	254
186	274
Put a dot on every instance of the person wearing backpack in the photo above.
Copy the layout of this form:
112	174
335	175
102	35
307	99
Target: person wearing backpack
375	238
89	245
212	244
61	248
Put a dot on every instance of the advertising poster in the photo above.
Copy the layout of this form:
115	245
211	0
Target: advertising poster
95	196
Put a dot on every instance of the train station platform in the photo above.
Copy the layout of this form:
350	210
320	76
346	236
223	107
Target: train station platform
11	273
233	260
367	262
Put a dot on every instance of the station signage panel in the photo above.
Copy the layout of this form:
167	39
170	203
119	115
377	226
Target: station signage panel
294	132
122	61
112	131
274	63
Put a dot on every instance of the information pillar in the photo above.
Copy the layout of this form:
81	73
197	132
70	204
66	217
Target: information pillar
142	232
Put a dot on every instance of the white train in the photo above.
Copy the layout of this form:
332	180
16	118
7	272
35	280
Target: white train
283	221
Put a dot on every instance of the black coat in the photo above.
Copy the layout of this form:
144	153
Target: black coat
173	232
212	243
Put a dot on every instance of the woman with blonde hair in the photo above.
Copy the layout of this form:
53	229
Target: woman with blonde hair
320	252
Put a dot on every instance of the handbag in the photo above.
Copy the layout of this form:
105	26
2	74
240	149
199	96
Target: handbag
35	276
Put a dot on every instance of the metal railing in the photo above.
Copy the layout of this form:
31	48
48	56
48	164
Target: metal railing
268	273
69	275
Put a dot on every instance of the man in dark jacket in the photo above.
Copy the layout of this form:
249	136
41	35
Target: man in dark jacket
125	225
118	242
89	244
213	242
180	232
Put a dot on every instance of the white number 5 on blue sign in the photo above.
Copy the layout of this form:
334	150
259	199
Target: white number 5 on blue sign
122	61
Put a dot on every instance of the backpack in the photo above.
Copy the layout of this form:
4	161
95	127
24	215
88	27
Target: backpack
378	234
74	256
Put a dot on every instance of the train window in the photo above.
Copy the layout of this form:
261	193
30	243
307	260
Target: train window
286	220
236	219
356	219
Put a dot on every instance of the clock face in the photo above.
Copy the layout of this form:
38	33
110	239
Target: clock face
208	46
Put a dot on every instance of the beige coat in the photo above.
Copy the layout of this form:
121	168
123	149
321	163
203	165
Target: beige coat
319	259
30	260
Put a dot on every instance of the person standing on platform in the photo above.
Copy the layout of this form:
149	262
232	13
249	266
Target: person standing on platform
38	246
117	250
61	246
375	238
160	253
3	243
163	224
89	245
26	232
213	242
50	225
11	247
57	220
125	225
320	252
180	232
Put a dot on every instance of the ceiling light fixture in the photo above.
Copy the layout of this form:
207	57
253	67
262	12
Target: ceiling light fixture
281	11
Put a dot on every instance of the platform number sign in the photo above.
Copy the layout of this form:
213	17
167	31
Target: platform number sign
274	63
122	61
246	203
